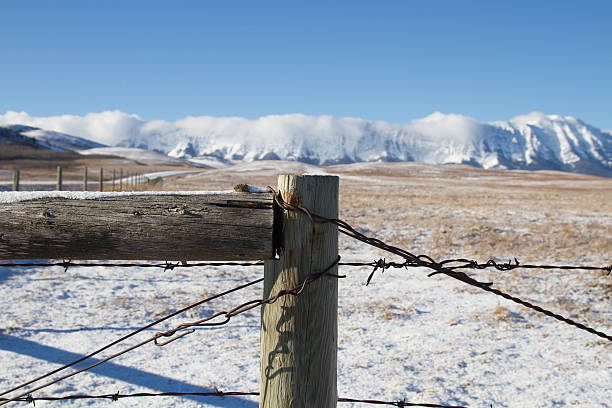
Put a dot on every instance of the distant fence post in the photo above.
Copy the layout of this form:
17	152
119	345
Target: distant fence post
16	180
59	178
299	334
85	180
113	188
121	179
101	179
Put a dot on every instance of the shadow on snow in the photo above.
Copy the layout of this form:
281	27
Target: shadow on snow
119	372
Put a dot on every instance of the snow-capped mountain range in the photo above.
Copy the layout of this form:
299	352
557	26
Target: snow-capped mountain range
533	141
45	139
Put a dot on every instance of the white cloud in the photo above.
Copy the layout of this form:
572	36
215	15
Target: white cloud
450	127
108	127
114	127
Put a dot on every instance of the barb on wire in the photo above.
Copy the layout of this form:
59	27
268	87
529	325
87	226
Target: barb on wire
131	334
186	328
218	393
438	268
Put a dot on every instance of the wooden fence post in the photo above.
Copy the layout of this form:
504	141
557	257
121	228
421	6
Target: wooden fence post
16	180
121	179
113	187
299	334
59	178
101	179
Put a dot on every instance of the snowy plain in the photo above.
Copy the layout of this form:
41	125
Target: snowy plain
403	336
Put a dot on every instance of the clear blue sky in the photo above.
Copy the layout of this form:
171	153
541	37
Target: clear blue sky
389	60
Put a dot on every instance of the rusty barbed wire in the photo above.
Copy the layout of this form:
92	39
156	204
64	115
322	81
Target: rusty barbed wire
185	328
217	393
439	268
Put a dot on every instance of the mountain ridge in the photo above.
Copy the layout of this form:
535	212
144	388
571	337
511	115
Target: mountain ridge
44	139
535	141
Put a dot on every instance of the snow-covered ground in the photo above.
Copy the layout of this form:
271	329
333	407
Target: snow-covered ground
405	335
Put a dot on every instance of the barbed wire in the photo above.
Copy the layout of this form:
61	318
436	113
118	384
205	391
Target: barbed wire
463	263
184	328
166	266
383	264
398	403
187	328
217	393
131	334
439	268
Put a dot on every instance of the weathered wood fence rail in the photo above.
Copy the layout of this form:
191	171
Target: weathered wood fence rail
153	227
298	335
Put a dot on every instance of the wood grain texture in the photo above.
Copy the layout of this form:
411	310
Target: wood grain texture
233	226
299	334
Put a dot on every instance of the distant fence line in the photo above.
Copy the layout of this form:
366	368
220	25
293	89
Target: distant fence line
132	181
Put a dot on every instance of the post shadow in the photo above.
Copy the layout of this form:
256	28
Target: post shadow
119	372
